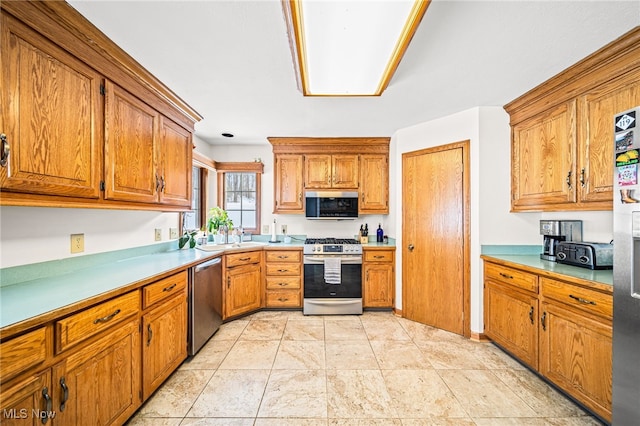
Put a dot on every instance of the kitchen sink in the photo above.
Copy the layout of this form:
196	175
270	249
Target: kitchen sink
233	246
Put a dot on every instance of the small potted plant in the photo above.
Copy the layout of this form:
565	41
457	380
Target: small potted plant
188	237
218	219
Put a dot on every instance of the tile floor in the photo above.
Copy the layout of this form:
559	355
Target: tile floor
282	368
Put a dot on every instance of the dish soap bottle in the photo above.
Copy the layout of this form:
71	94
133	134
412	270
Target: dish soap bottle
379	234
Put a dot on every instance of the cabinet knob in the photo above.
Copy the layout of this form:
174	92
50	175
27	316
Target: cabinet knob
4	152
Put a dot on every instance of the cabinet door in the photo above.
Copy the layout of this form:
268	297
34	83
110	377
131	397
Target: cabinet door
598	109
378	285
510	319
288	184
317	171
22	399
164	344
243	289
175	154
51	114
543	159
374	184
131	129
344	171
102	380
576	354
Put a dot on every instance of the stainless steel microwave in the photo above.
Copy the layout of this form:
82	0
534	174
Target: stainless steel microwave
331	205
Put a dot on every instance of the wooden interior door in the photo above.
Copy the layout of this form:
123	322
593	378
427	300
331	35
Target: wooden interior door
435	252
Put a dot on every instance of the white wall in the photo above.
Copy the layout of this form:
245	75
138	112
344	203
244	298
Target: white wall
488	130
38	234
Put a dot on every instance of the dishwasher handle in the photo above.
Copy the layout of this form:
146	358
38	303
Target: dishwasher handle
208	264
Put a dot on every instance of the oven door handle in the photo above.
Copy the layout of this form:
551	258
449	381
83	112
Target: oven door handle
333	301
343	260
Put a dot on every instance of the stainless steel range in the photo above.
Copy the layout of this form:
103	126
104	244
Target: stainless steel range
332	276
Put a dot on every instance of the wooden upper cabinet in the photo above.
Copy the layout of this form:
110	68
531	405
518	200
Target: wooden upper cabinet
131	139
542	164
51	114
562	131
330	171
374	184
598	107
288	183
175	162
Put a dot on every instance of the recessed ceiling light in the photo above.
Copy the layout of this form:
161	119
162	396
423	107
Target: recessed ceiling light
227	135
349	47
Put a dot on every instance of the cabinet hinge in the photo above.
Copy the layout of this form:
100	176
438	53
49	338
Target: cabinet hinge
101	185
102	89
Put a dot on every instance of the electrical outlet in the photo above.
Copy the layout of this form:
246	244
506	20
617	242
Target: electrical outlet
77	243
284	228
265	229
173	233
158	234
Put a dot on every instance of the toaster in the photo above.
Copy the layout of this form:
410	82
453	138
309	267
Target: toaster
585	255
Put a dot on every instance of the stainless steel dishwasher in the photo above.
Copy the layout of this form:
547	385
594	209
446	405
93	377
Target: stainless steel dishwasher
205	303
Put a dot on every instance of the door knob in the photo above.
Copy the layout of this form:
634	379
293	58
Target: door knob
410	247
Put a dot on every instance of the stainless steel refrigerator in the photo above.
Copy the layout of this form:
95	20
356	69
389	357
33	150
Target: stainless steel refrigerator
626	270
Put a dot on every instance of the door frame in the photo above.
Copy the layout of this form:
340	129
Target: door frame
466	224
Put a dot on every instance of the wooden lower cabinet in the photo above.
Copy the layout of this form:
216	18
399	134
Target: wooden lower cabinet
164	345
511	321
100	384
378	278
242	288
21	401
563	331
283	281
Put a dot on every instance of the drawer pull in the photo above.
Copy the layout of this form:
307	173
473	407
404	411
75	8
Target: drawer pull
283	299
378	257
502	274
244	259
283	257
581	300
543	320
171	287
65	393
107	318
47	398
531	315
283	284
283	270
149	334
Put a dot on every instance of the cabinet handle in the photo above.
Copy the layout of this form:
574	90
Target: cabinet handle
283	257
162	183
502	274
49	407
543	320
531	315
283	299
283	270
378	257
581	300
6	149
171	287
228	282
283	284
300	196
582	177
107	318
65	393
244	259
149	334
157	183
569	179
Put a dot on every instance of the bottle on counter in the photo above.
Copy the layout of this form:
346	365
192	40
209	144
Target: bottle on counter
360	233
366	230
379	234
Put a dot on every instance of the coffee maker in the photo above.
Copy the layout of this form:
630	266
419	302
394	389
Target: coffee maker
555	231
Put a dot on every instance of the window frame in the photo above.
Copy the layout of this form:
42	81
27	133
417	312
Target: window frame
244	167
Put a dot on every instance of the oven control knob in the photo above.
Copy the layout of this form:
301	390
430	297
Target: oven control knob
561	255
583	259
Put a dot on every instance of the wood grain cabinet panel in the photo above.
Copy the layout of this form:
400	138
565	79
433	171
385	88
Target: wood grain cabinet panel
288	183
17	401
283	279
175	153
323	171
22	352
51	114
374	184
378	278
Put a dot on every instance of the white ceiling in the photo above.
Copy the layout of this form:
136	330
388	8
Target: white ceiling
230	60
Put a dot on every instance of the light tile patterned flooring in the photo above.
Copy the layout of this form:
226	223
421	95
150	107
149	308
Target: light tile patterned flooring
282	368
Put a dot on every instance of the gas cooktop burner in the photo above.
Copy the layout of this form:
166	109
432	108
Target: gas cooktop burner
331	241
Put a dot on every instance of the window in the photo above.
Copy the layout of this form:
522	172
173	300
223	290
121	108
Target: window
196	218
239	193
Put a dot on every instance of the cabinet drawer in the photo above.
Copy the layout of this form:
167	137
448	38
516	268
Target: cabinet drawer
245	258
509	276
283	299
283	283
585	299
163	289
81	326
22	352
378	255
283	256
290	269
